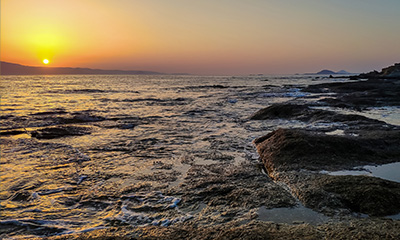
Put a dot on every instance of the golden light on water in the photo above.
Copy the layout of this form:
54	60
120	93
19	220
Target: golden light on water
46	61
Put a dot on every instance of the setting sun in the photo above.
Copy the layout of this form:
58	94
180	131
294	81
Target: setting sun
46	61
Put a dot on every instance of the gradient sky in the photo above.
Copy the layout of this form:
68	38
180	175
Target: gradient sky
203	37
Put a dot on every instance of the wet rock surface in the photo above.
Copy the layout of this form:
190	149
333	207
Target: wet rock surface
295	149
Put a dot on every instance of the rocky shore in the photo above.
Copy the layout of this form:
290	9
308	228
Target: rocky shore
354	229
299	157
224	198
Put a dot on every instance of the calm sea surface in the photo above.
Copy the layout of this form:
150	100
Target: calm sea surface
134	134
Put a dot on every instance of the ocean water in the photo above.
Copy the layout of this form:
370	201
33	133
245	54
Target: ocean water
135	137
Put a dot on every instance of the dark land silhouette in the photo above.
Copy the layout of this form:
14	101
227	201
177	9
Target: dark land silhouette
17	69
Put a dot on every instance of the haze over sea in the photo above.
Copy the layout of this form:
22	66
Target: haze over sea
122	145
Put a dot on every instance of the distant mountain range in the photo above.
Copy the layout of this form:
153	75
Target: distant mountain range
328	72
7	68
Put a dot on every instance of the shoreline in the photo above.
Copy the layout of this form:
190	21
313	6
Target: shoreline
222	193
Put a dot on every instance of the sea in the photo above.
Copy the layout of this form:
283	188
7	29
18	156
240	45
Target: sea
74	148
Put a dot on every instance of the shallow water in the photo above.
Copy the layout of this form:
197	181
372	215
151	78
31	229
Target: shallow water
386	171
145	133
297	215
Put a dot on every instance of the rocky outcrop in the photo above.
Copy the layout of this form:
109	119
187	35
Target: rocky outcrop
287	153
388	72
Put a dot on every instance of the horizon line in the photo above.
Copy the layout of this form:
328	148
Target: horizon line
151	72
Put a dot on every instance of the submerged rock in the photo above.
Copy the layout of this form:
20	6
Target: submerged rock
58	132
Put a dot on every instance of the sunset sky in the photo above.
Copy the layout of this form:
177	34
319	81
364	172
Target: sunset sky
203	37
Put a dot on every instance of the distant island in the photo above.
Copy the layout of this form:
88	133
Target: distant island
17	69
328	72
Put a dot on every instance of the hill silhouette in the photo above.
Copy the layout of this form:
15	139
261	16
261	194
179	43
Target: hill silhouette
325	71
17	69
328	72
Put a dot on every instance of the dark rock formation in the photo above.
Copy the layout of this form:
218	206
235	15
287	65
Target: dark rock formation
288	149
